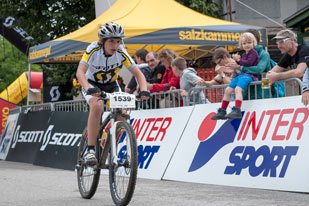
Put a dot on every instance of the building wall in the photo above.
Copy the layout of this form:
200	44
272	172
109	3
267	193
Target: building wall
102	5
277	10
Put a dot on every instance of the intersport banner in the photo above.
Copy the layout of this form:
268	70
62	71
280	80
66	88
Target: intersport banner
268	148
158	134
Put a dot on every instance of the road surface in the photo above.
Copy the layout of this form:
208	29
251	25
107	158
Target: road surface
28	185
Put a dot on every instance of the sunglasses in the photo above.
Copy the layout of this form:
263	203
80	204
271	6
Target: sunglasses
282	41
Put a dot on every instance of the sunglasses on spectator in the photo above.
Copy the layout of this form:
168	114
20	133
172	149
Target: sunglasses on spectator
282	41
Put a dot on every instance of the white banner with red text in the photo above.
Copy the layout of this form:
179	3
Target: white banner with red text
268	148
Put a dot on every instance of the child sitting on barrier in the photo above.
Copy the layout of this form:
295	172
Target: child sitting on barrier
241	82
221	58
188	79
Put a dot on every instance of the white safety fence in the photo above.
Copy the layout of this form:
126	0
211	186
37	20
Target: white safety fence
172	98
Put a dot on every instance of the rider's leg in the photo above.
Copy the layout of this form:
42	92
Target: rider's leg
96	109
95	113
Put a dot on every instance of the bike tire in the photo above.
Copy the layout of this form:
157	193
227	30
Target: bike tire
87	176
127	171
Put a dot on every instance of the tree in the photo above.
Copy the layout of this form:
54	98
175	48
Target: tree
207	7
12	63
46	20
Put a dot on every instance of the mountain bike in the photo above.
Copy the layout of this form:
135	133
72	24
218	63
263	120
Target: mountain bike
116	150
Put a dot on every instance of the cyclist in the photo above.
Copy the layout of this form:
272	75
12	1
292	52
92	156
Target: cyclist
98	71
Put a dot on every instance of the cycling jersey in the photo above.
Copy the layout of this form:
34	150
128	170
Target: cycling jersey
102	69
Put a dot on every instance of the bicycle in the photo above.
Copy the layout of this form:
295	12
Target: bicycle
119	149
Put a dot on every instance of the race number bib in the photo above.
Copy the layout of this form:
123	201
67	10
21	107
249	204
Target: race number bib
121	100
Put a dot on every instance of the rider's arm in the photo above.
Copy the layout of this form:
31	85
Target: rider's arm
81	76
140	78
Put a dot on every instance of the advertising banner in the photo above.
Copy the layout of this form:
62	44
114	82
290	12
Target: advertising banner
268	148
61	140
4	113
55	93
157	135
6	137
29	136
14	34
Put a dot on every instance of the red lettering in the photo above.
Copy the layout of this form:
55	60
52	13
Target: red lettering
164	128
154	128
243	126
299	125
148	123
271	113
136	127
281	123
255	130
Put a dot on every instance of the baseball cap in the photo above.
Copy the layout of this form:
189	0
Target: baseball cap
286	33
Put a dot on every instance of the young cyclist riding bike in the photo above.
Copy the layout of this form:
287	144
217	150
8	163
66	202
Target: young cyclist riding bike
98	71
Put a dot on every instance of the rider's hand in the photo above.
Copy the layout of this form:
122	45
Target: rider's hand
144	95
94	92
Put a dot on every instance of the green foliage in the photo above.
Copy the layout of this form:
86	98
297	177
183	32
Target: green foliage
12	63
45	20
207	7
49	19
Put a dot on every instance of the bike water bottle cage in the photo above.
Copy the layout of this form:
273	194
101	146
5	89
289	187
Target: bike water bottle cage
93	91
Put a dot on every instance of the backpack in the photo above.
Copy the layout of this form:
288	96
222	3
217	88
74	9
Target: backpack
277	85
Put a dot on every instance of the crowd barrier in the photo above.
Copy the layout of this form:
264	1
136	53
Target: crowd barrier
265	149
172	98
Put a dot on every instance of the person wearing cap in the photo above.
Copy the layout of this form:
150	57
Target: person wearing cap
293	59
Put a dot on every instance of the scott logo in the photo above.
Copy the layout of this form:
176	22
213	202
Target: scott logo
209	146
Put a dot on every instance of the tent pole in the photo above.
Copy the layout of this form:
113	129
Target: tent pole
29	79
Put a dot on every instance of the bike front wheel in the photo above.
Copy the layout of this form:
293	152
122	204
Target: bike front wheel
123	174
87	176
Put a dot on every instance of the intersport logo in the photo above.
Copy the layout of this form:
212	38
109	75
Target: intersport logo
45	137
273	143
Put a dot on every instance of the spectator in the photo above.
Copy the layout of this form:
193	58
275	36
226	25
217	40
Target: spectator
158	70
188	80
293	59
221	57
305	90
140	58
262	66
241	82
169	79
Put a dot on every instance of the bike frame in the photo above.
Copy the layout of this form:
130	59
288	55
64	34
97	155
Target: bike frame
110	144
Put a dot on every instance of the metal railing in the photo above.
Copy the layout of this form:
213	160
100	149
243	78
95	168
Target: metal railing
172	98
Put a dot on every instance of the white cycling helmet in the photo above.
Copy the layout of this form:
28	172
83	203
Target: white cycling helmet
111	30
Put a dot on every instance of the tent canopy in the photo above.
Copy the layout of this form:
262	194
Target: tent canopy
150	24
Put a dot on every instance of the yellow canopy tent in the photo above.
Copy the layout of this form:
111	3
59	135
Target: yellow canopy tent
149	24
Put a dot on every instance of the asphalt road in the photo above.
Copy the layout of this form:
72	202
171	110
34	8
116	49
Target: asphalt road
27	185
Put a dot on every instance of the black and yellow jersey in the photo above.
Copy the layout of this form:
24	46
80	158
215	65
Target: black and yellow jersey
102	69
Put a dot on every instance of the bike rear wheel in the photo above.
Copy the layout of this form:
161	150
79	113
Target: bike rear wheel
122	176
87	176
